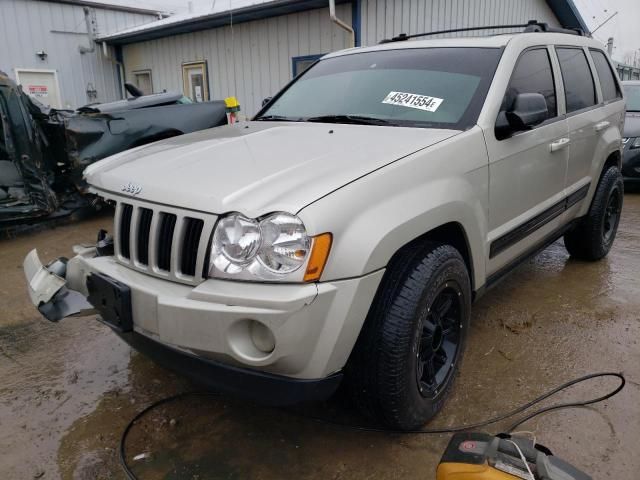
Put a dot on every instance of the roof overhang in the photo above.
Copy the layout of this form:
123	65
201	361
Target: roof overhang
108	6
274	8
565	10
568	14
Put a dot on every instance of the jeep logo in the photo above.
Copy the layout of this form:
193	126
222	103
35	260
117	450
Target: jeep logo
131	188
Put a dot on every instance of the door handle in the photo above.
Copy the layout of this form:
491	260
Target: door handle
560	144
602	125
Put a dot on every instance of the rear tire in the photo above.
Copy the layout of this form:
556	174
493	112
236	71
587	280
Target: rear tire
594	235
406	357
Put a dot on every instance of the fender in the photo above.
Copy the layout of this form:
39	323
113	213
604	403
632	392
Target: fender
373	217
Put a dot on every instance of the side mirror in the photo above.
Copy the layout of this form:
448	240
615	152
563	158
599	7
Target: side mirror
266	100
527	111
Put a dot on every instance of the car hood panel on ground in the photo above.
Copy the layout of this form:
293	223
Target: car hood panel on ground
258	167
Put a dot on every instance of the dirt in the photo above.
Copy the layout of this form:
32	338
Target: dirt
68	390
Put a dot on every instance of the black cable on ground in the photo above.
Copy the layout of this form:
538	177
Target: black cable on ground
453	429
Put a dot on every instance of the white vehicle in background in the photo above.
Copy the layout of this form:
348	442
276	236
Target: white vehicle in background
344	233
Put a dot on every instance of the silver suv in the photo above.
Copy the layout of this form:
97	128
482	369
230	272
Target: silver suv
343	234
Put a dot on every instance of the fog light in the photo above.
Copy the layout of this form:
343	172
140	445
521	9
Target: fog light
262	337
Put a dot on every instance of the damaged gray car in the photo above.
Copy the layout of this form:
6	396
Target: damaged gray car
43	151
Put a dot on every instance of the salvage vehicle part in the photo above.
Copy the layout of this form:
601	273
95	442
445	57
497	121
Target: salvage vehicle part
44	151
345	232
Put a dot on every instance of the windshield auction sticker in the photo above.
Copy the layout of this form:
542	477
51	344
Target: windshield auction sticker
412	100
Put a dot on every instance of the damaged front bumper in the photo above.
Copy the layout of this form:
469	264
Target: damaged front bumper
204	332
49	291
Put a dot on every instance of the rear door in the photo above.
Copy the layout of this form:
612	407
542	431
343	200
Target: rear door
527	170
591	116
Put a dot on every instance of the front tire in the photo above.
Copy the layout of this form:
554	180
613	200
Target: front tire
405	360
594	235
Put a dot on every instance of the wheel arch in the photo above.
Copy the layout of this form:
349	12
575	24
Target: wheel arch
451	233
613	160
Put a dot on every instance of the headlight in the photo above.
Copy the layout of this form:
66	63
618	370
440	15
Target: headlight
236	241
273	248
285	244
635	142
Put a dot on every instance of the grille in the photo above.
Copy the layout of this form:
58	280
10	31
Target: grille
125	230
192	233
163	241
144	231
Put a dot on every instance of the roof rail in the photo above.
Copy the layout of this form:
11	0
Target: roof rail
531	26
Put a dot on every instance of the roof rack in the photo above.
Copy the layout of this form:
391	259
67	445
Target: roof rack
531	26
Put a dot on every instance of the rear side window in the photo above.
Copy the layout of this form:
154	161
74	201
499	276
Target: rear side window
579	88
608	84
533	74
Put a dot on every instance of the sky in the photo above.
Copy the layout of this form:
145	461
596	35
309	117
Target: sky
624	27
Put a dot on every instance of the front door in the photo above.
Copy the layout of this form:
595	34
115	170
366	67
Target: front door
194	76
528	169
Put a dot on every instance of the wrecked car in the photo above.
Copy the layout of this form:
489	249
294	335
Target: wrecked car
43	151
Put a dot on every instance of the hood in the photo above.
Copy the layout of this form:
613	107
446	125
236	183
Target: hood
257	167
632	124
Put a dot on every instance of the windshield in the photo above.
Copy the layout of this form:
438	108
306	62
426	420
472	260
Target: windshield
421	87
632	92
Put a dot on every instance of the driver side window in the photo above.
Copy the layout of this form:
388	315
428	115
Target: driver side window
532	74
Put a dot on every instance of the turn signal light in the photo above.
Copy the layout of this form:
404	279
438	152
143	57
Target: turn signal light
319	255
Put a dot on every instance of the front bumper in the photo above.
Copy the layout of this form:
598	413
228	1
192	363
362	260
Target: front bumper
261	387
208	326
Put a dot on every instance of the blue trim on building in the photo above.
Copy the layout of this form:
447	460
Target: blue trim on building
356	20
303	58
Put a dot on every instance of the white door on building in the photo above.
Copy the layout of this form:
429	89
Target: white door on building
142	80
41	85
194	75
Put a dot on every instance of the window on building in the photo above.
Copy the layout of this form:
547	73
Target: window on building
533	74
142	80
195	81
608	84
300	64
579	87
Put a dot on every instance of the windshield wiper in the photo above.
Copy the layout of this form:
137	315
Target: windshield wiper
352	119
276	118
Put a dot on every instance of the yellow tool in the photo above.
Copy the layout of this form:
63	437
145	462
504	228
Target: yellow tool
479	456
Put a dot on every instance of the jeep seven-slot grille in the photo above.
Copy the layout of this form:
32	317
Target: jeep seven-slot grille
125	230
148	237
165	240
190	243
144	231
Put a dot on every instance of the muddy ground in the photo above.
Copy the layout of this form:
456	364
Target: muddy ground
68	390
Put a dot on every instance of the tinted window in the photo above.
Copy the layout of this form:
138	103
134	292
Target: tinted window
607	81
533	74
418	87
579	89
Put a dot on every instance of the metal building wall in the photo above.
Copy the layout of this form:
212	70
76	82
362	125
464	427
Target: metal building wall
251	61
386	18
28	26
